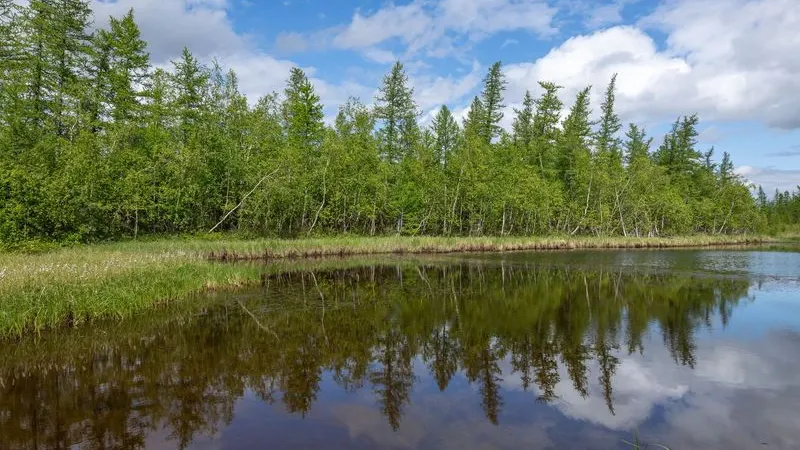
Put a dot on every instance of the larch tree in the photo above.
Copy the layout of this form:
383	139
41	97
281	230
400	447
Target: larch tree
607	141
129	67
522	127
397	113
446	133
303	122
546	129
494	84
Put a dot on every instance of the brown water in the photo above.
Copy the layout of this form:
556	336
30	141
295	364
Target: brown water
584	349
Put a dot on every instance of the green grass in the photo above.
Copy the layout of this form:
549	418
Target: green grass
72	286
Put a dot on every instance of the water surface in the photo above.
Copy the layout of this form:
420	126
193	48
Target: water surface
582	349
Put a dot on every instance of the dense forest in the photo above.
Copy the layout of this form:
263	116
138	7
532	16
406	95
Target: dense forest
96	143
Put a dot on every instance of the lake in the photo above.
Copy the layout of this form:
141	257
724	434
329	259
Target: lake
581	349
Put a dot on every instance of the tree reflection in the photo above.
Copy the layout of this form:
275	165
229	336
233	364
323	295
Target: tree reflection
110	388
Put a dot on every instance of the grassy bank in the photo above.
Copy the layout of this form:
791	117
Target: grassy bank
75	285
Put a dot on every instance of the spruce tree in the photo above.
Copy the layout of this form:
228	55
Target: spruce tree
726	172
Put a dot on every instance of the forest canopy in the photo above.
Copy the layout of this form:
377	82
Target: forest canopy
96	143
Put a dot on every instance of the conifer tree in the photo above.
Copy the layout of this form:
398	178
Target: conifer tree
608	144
762	198
446	134
190	80
492	100
636	145
474	118
129	65
576	138
396	110
546	129
302	113
522	127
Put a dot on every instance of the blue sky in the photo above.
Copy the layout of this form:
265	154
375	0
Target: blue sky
734	62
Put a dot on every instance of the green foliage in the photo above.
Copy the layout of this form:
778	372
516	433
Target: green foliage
782	211
446	133
96	144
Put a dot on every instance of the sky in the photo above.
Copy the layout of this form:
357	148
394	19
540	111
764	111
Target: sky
736	63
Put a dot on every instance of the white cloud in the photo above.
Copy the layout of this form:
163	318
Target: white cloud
637	389
489	16
408	22
421	25
733	60
646	85
771	178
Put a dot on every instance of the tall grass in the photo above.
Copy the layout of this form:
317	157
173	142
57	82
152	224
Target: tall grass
273	249
72	286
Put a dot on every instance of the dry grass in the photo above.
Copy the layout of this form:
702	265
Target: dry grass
277	249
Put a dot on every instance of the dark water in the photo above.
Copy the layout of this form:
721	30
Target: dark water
688	349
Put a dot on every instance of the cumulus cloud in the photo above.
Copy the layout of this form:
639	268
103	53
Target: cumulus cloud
733	60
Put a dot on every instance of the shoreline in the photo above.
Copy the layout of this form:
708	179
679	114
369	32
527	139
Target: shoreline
435	245
74	286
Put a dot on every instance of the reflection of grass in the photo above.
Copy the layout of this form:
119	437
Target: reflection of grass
74	285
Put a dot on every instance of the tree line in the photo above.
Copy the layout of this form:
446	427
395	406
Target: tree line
96	143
